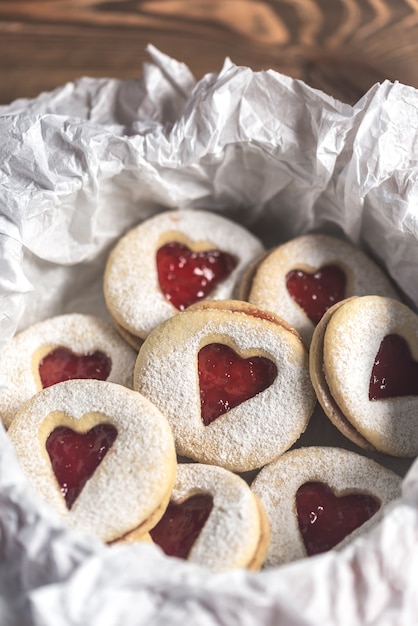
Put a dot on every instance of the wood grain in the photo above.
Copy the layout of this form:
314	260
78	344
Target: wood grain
339	46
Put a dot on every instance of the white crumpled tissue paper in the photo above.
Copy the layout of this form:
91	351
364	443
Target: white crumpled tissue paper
81	165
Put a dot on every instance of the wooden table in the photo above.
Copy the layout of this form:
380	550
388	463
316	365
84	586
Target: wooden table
339	46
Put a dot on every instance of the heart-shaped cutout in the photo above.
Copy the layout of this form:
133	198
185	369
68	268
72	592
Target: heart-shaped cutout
316	293
325	519
75	456
62	364
181	525
394	372
227	379
186	276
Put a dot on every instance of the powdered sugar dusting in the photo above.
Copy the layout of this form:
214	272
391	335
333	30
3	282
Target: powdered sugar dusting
257	430
310	253
231	535
343	471
352	340
80	333
135	476
131	286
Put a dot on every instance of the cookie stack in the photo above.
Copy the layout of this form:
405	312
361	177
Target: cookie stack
186	409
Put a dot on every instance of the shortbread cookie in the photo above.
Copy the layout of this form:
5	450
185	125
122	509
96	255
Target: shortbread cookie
302	278
232	380
213	519
364	367
171	261
61	348
102	455
318	498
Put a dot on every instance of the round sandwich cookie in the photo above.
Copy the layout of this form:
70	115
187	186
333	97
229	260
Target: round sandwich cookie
364	368
232	380
304	277
102	455
213	519
320	498
170	261
61	348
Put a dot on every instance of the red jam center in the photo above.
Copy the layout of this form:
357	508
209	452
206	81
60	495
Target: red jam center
226	379
316	293
75	456
186	276
394	372
326	519
62	364
181	524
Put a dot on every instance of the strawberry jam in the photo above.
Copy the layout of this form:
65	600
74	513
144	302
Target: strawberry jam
181	524
326	519
186	277
75	456
316	293
62	364
226	379
394	372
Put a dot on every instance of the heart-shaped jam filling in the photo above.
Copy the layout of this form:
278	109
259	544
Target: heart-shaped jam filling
226	379
75	456
394	372
181	524
186	276
316	293
326	519
62	364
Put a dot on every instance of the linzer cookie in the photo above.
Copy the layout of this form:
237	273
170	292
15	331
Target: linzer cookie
319	498
213	519
102	455
232	380
61	348
302	278
169	262
364	367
